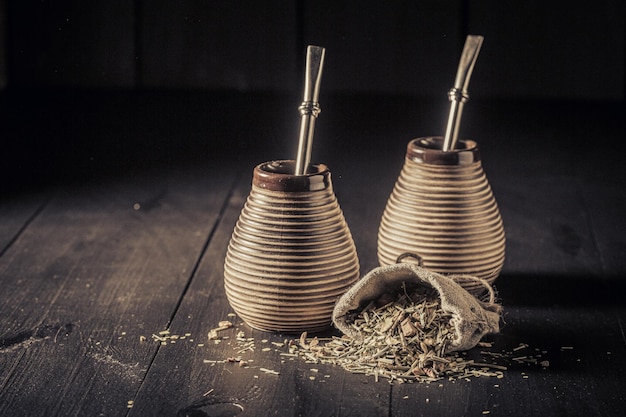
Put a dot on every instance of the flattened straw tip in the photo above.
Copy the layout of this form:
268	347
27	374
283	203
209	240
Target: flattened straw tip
471	49
474	38
313	72
315	48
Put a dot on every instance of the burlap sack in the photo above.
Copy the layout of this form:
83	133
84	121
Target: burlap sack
471	318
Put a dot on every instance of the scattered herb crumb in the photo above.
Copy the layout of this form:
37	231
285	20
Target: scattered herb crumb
269	371
405	340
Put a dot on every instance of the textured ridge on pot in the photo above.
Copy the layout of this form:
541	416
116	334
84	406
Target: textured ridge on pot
291	254
443	211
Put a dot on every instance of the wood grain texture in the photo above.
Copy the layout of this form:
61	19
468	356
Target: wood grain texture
136	248
3	45
533	49
71	44
16	212
548	229
608	224
553	48
399	48
100	267
219	45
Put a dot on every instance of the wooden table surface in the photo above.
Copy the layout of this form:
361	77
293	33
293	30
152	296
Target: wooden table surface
117	209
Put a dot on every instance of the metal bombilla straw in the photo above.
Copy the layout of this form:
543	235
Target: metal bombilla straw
458	94
310	108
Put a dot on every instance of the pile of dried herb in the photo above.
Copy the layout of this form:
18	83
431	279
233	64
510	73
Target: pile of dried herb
405	339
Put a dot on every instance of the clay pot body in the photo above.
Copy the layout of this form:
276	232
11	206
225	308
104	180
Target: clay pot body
291	254
443	212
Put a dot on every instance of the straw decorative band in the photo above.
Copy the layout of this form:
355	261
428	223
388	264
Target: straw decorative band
456	94
310	108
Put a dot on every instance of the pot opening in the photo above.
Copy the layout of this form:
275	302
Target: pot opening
288	167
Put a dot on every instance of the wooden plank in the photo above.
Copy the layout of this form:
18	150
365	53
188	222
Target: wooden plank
377	48
547	180
3	44
99	269
219	45
91	274
606	204
550	49
409	48
547	227
71	44
212	386
55	137
16	211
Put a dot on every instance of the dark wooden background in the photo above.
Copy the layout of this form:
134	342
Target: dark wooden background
70	54
533	49
128	133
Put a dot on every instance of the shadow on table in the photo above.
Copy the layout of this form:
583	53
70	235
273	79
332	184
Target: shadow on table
569	291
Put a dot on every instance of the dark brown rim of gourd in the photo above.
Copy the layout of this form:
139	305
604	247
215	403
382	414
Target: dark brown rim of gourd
279	176
429	150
